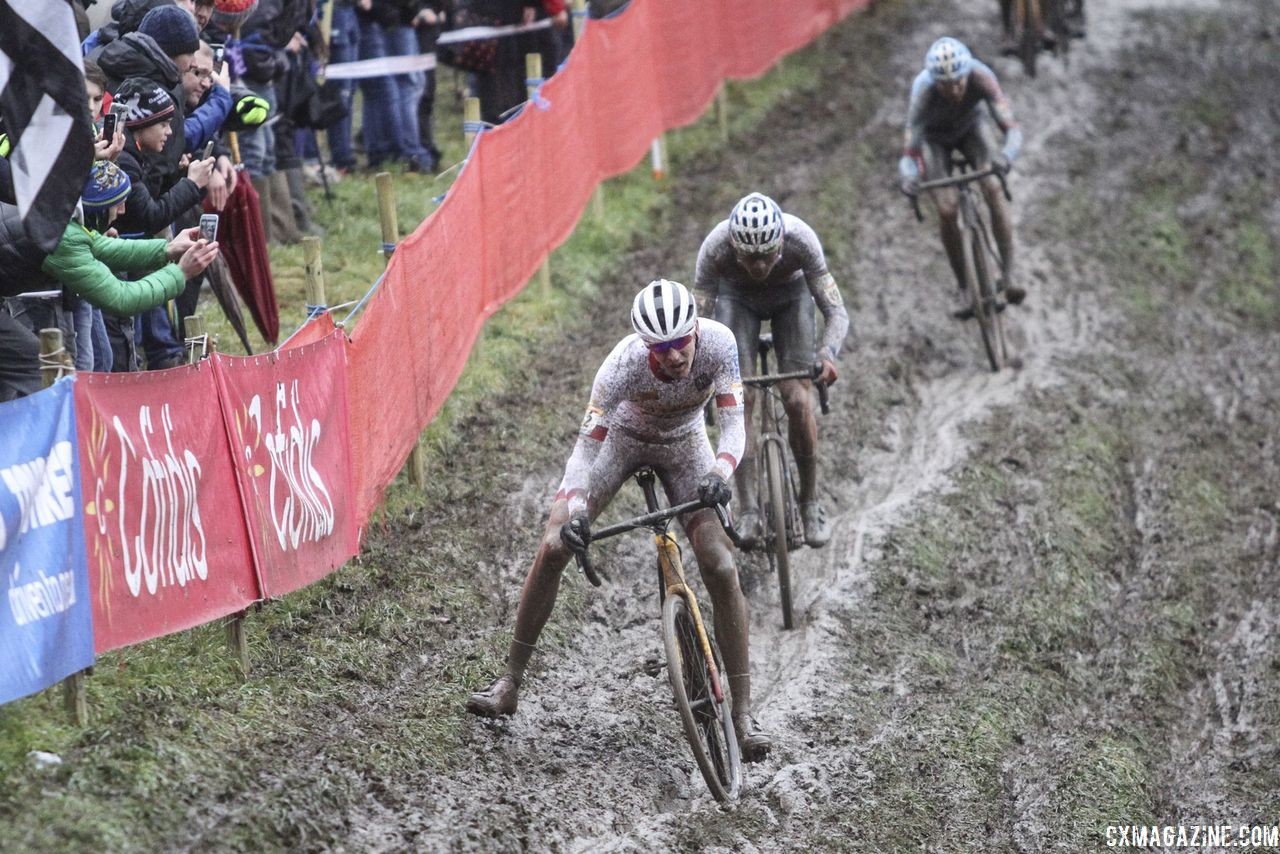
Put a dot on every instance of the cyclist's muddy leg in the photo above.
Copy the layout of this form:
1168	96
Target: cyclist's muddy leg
1001	225
802	432
744	477
947	201
720	575
538	598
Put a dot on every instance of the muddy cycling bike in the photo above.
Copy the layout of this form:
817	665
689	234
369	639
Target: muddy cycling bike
777	494
981	257
694	666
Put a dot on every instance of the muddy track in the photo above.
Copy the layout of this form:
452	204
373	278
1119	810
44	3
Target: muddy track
595	759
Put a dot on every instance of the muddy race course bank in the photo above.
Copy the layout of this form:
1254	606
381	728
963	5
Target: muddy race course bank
1051	604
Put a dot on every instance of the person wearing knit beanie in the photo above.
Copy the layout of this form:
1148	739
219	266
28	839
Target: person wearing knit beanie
104	194
173	29
143	101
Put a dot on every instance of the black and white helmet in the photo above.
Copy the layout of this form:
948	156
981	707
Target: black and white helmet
663	311
755	226
948	59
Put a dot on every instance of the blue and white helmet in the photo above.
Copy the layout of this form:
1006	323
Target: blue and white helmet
755	225
948	59
663	311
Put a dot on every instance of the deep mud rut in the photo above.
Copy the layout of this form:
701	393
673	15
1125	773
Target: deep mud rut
595	759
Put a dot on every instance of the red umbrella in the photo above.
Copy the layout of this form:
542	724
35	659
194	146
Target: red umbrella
244	245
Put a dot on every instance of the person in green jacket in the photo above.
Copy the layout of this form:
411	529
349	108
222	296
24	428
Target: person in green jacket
87	259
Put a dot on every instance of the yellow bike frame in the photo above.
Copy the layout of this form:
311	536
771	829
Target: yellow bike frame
672	569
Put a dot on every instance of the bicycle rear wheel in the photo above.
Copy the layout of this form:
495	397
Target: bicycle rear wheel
708	725
1029	28
778	515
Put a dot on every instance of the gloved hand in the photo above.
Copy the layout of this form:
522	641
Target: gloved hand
713	490
576	533
4	145
1001	165
909	186
252	111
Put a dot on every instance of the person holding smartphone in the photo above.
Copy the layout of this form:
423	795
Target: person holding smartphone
110	139
209	104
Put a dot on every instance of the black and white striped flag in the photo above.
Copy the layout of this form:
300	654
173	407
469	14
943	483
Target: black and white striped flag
46	113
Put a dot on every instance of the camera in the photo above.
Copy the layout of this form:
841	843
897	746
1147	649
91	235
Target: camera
109	123
208	150
209	227
219	50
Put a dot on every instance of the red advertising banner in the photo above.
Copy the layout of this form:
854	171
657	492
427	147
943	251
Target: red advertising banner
164	529
288	427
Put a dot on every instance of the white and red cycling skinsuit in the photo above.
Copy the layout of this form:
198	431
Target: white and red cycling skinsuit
639	417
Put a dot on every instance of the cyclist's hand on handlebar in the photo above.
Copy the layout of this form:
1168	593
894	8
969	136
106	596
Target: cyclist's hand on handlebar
713	490
828	373
1000	165
576	533
909	186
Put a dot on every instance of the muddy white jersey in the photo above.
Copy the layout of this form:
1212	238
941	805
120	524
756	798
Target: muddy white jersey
802	265
632	397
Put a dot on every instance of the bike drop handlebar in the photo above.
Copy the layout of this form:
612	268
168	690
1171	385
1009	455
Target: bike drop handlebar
956	180
824	393
655	521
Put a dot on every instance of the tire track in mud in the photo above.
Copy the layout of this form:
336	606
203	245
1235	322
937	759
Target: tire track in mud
594	760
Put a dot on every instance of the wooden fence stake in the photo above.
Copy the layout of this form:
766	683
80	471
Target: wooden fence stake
390	237
658	157
53	364
313	267
532	78
197	337
387	213
579	20
722	110
470	121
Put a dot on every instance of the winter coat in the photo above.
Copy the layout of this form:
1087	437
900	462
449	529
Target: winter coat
267	32
206	120
138	55
149	209
20	257
85	261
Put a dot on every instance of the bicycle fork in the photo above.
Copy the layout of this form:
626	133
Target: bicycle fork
673	582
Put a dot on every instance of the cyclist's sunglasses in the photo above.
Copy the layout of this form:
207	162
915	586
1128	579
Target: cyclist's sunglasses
664	346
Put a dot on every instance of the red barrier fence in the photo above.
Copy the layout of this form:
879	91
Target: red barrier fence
655	67
210	487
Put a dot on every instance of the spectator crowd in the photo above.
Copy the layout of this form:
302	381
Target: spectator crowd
190	97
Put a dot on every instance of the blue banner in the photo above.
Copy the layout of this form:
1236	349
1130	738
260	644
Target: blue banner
46	629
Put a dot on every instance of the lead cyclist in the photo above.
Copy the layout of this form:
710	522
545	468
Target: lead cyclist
761	264
646	410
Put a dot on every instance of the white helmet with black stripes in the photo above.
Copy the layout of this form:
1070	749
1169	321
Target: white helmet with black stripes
755	226
948	59
663	311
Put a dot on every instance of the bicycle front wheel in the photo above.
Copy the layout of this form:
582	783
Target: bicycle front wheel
707	724
779	515
986	309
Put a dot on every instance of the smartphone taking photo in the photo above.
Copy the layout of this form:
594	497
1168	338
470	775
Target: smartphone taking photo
209	227
219	50
208	150
109	123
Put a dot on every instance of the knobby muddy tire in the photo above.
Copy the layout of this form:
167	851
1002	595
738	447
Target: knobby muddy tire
1029	36
990	320
708	725
779	513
